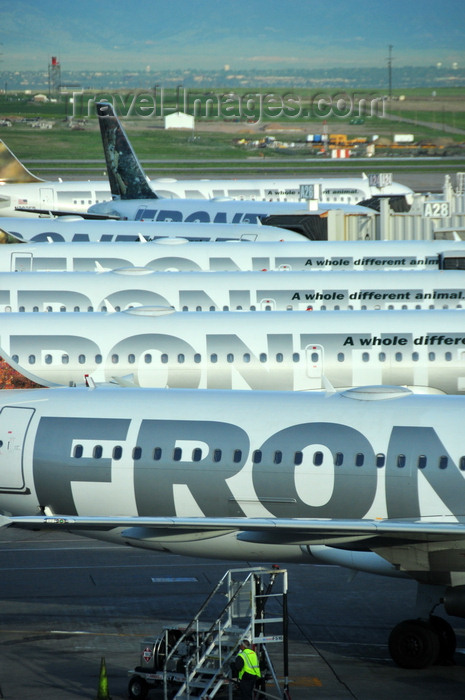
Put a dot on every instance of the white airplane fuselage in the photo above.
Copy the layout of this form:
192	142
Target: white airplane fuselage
166	254
231	291
146	347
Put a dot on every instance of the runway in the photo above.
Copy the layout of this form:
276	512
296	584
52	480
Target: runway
67	601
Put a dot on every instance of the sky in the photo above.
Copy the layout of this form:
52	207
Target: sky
152	35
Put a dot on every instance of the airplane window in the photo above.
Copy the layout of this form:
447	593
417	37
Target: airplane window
279	357
415	357
197	358
216	455
185	308
443	462
147	358
131	358
390	306
254	308
48	309
446	306
181	358
212	308
177	454
15	358
21	308
257	456
431	306
323	307
78	450
340	357
278	457
418	306
117	308
448	356
364	308
76	308
103	308
359	459
462	463
318	459
237	456
32	359
90	308
98	359
315	357
295	357
196	454
298	458
97	451
214	357
365	356
225	308
115	359
431	356
338	459
382	357
398	357
262	357
401	461
164	358
380	460
48	359
230	357
422	461
350	307
267	307
246	357
81	359
337	307
137	453
157	453
198	308
238	308
404	306
35	308
117	452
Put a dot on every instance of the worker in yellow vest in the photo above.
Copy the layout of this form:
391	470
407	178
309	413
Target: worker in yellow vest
248	670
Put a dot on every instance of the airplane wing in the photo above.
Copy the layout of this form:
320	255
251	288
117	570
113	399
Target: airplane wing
263	530
57	212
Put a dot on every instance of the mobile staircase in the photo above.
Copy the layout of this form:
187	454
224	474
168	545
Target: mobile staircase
194	660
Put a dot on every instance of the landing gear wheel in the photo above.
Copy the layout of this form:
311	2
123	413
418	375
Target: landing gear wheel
414	644
447	640
137	688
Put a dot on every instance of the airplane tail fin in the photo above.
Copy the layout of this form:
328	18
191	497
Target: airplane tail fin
126	175
12	171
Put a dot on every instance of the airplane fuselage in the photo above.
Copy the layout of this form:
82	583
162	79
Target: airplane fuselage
229	291
424	350
166	254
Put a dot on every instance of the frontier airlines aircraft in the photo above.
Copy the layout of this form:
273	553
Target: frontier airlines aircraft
371	479
155	347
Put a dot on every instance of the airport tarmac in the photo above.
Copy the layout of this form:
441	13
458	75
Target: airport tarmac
67	601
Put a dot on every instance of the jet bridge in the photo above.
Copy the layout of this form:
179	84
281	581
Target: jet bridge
193	660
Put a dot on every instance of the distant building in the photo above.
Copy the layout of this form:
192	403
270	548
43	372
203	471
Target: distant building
40	98
179	120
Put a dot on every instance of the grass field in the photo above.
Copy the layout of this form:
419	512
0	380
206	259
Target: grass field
214	139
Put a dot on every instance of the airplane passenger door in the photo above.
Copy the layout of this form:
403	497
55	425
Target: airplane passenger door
46	196
314	365
21	262
14	423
